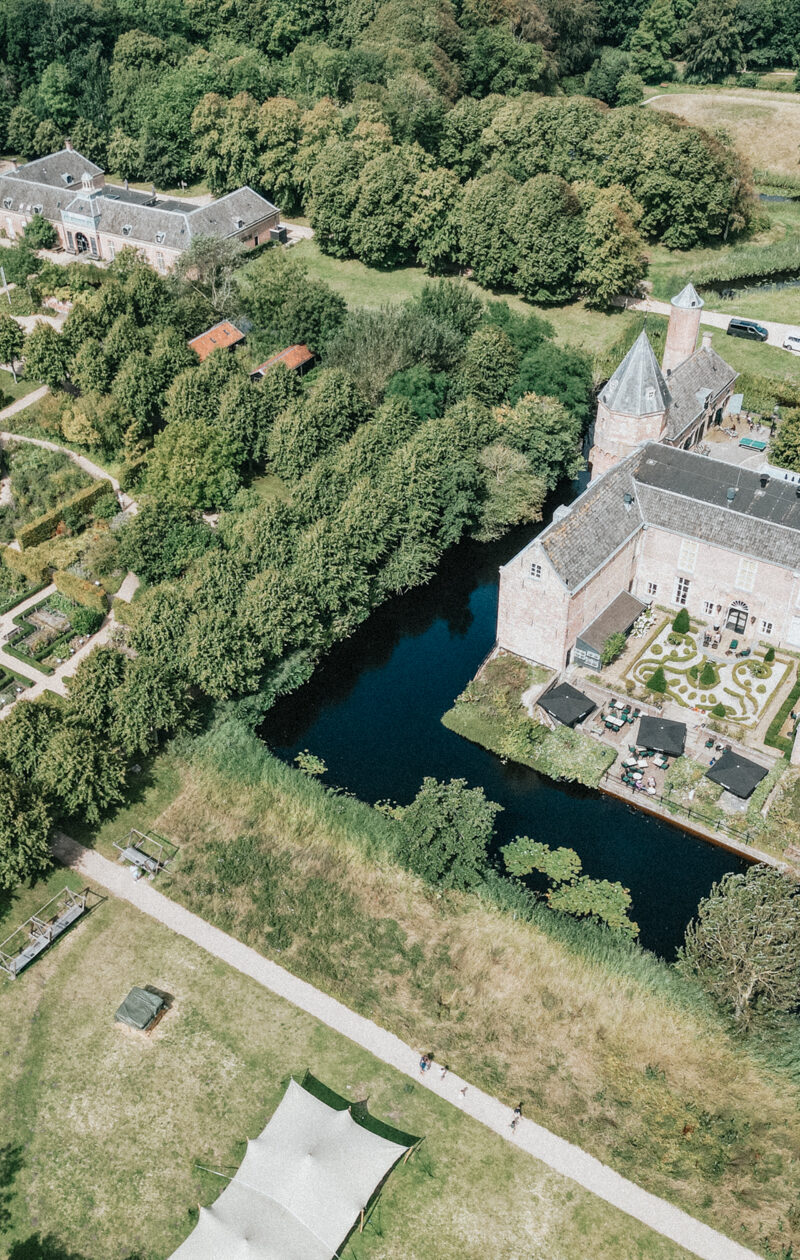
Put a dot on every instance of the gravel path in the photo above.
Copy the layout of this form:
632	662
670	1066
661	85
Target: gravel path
716	319
562	1156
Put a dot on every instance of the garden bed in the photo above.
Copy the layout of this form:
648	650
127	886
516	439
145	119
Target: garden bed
490	712
742	686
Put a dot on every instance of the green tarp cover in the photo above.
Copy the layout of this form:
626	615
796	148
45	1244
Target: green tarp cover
139	1008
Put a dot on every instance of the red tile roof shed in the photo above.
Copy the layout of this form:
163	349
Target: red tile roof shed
292	357
225	334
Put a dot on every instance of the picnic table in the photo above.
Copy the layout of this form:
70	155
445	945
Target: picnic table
752	444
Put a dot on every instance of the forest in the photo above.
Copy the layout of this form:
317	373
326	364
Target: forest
505	138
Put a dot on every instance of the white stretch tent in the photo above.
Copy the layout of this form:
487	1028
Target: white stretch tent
300	1188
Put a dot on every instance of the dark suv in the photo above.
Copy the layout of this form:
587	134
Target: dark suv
747	328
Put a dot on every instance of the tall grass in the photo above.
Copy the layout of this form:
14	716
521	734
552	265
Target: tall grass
750	262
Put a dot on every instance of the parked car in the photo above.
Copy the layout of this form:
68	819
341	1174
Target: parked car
747	328
792	342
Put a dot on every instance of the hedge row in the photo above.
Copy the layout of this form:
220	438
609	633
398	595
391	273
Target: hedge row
20	596
30	567
27	659
45	526
772	737
82	592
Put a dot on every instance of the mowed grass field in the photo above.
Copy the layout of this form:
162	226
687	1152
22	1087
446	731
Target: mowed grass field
102	1127
764	125
606	1047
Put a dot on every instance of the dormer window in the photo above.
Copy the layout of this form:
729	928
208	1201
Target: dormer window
67	178
160	238
8	202
38	209
127	229
240	223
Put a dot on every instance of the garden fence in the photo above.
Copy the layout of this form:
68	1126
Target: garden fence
670	806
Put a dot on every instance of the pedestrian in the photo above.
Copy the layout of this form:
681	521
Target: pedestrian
462	1093
424	1064
443	1071
517	1116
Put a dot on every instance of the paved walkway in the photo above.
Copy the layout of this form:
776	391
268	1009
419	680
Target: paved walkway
715	319
555	1152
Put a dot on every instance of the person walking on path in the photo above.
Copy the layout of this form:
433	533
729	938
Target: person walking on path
425	1063
443	1072
517	1116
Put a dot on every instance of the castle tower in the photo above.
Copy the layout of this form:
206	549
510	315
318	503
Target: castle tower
632	407
684	325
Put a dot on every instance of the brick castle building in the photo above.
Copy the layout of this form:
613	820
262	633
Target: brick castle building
659	521
98	219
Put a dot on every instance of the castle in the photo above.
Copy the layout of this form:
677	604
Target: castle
659	521
98	220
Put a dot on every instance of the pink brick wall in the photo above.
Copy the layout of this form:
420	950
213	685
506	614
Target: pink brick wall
538	619
615	436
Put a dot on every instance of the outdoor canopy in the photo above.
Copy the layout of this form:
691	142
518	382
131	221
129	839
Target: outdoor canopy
300	1188
566	704
662	735
139	1008
738	774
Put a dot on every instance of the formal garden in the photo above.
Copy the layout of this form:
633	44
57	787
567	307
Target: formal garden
733	688
47	634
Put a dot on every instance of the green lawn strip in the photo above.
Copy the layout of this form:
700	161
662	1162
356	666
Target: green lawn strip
773	736
108	1125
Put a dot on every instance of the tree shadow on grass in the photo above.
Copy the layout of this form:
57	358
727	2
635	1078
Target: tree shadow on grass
10	1164
48	1247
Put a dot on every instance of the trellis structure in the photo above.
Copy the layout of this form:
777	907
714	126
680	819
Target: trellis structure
39	931
144	851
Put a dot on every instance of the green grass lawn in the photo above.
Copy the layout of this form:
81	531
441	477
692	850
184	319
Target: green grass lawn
103	1127
574	324
12	390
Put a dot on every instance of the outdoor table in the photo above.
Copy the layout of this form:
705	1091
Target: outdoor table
642	763
629	761
617	723
637	774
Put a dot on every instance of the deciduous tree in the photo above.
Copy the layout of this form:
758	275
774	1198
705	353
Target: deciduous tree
445	832
744	945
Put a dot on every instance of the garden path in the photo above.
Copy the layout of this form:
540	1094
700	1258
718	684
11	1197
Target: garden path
568	1160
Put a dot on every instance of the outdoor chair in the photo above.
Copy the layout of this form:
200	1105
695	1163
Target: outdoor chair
734	644
709	743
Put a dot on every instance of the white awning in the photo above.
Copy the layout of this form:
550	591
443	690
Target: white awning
299	1190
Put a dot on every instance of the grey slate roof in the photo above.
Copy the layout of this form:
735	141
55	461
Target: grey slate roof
688	494
617	618
22	197
684	493
64	169
688	298
637	388
690	383
597	524
231	213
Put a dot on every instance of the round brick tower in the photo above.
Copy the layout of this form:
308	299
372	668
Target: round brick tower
684	325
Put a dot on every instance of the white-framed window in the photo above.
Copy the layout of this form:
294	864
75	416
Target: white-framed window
8	202
536	571
160	261
112	250
708	607
127	228
681	590
652	588
688	555
38	209
746	576
766	626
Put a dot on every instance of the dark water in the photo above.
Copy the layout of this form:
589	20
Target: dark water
743	286
372	710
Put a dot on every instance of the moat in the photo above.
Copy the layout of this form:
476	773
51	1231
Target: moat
372	710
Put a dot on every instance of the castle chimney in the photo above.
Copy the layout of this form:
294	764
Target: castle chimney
684	325
68	143
707	340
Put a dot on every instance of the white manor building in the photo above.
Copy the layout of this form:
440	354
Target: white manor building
98	220
659	522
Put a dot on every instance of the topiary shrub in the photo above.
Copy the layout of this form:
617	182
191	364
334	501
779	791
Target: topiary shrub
769	655
674	638
719	710
761	688
656	649
681	623
708	675
658	681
